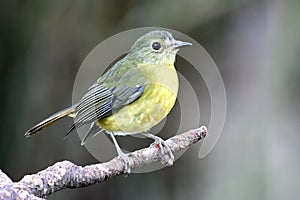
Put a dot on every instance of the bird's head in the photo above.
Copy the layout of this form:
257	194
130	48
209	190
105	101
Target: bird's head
156	47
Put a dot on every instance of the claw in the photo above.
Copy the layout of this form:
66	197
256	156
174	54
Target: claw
122	155
127	168
168	157
165	149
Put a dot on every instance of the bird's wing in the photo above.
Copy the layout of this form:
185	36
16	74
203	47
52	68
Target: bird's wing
122	96
95	104
102	100
130	87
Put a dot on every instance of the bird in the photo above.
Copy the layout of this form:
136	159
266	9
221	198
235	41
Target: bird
134	95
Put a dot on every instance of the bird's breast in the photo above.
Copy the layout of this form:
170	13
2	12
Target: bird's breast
150	108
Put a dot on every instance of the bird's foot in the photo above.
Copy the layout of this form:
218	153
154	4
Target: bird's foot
122	155
168	156
125	158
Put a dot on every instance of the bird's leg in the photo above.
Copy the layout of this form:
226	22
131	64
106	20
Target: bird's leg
163	146
122	155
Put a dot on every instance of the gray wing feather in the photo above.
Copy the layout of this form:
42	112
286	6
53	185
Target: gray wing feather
95	104
126	95
101	101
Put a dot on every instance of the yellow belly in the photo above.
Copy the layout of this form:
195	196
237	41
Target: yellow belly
151	107
147	111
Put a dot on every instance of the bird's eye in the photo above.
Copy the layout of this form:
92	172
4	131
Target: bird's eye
156	46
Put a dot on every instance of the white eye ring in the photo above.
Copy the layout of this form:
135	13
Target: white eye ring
156	46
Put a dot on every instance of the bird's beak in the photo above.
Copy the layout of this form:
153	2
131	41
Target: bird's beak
178	44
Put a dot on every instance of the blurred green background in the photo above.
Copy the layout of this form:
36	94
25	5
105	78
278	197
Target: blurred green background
255	44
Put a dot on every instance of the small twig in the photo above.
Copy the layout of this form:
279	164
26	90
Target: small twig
68	175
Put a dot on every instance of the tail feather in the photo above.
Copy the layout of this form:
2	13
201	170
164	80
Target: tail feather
50	120
93	131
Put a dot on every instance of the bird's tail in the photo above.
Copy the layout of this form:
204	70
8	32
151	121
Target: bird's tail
50	120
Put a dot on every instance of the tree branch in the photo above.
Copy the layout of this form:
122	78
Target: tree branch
4	179
65	174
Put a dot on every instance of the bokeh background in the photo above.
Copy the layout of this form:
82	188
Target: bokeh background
255	44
